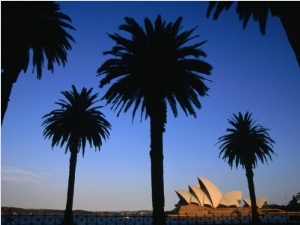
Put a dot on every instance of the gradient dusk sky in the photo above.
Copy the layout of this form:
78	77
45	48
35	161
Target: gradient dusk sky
250	72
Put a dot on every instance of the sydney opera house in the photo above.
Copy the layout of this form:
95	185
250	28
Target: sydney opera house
206	196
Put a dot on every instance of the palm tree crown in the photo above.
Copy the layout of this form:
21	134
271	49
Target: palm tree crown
36	29
36	26
246	142
288	12
76	122
155	65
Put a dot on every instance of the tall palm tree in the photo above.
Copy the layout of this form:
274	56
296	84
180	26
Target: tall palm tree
245	144
75	123
34	30
288	13
152	70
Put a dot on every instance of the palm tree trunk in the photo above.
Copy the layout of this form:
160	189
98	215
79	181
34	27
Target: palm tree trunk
7	81
157	171
250	175
68	218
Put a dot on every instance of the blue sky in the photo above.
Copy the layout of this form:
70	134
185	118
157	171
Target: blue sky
250	72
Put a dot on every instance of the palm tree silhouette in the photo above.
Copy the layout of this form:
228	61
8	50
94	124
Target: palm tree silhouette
288	12
152	70
75	123
245	144
31	30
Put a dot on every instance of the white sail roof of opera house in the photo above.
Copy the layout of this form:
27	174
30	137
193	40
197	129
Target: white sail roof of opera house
231	198
208	194
211	190
200	195
259	202
184	196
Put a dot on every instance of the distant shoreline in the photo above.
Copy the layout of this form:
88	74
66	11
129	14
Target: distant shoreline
17	210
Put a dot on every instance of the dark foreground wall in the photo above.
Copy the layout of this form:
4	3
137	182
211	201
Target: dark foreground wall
38	219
